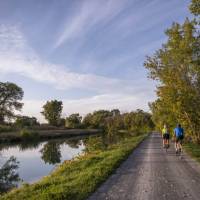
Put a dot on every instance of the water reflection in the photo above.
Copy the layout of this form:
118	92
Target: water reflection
38	159
103	141
74	142
51	153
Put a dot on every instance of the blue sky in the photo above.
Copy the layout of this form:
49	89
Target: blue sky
87	53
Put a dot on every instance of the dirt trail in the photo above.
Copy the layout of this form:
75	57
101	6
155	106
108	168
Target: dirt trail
152	174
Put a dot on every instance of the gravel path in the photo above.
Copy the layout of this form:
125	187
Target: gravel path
152	174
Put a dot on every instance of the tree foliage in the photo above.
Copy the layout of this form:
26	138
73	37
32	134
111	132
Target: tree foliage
195	7
176	67
25	121
8	175
73	121
10	100
111	121
97	118
52	111
138	121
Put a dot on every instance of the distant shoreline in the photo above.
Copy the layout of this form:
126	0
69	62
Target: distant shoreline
47	134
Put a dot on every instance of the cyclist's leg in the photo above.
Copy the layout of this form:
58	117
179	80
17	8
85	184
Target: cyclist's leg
180	145
176	144
168	140
163	141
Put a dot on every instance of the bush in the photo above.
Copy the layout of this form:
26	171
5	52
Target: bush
5	128
27	134
25	121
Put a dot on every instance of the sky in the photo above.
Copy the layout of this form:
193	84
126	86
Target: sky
87	53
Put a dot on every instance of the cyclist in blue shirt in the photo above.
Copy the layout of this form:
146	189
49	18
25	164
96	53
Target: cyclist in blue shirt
179	135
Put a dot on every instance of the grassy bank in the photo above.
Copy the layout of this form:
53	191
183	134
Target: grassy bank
78	178
44	134
193	150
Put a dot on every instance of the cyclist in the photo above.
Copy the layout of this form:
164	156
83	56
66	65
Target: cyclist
165	134
179	135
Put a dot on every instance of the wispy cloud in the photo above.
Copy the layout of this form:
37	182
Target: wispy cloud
88	14
17	57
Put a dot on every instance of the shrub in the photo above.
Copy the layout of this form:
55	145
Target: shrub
5	128
27	134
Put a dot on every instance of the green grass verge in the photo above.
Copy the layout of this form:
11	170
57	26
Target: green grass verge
193	150
78	178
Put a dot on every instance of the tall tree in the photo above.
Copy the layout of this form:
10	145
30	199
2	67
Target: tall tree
10	100
52	111
176	67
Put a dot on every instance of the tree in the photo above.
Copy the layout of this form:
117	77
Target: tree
195	7
8	175
23	121
87	121
138	121
61	122
176	67
52	112
162	115
96	119
10	97
115	112
73	121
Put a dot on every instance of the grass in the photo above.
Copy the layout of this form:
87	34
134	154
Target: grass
78	178
193	150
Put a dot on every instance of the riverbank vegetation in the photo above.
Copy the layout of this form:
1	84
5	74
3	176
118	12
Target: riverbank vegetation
193	150
176	68
77	178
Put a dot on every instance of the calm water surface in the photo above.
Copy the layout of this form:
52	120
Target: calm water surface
39	159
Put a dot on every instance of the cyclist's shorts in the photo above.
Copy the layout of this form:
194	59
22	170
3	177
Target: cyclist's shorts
166	136
179	138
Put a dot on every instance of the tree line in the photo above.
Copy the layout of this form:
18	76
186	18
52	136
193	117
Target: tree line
11	99
176	68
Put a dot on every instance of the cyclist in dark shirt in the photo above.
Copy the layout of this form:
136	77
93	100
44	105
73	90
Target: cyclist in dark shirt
179	135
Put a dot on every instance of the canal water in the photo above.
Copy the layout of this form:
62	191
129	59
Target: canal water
38	159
